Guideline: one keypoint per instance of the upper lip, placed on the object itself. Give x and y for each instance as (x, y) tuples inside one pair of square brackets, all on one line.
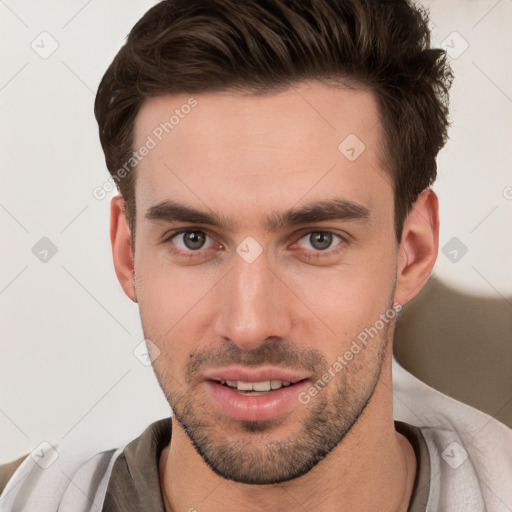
[(257, 374)]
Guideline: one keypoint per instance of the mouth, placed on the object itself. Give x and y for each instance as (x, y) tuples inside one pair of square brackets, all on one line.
[(256, 388), (256, 394)]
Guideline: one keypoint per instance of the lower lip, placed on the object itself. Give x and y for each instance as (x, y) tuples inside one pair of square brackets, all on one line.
[(264, 406)]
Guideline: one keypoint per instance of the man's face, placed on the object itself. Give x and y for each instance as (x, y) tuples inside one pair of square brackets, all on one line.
[(262, 251)]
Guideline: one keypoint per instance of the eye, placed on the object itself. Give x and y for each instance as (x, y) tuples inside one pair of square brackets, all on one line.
[(192, 240), (319, 241)]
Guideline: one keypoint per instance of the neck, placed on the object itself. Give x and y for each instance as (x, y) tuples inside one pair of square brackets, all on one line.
[(373, 468)]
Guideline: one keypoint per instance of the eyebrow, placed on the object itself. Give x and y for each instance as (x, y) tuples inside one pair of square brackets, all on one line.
[(326, 210)]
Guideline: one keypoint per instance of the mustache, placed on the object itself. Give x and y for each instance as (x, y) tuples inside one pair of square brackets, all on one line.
[(273, 351)]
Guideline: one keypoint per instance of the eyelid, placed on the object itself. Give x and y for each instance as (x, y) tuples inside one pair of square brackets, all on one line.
[(170, 235), (343, 240)]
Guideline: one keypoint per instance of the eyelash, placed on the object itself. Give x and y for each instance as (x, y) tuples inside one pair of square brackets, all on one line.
[(310, 254)]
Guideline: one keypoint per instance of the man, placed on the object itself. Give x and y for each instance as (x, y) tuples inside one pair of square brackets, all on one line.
[(274, 161)]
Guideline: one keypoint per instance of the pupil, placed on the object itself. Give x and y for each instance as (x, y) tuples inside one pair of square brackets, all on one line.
[(320, 241), (194, 239)]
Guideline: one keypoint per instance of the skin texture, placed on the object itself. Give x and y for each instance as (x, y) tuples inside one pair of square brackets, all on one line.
[(248, 159)]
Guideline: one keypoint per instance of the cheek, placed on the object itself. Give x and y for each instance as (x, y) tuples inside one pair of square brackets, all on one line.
[(351, 293), (336, 306), (175, 306)]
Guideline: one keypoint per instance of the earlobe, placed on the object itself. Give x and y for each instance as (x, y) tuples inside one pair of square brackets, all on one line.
[(418, 248), (120, 238)]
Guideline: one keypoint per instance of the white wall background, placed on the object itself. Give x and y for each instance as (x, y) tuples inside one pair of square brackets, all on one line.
[(68, 333)]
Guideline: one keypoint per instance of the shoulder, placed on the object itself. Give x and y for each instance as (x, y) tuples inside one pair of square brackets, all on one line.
[(7, 471), (31, 484), (54, 477), (470, 452)]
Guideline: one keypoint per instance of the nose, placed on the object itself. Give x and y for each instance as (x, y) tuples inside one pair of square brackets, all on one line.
[(253, 306)]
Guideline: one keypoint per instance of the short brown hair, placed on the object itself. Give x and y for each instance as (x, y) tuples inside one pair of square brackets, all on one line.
[(260, 46)]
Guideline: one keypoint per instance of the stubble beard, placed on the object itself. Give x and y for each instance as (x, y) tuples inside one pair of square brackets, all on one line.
[(245, 451)]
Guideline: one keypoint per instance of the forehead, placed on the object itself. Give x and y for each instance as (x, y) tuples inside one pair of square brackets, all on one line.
[(228, 150)]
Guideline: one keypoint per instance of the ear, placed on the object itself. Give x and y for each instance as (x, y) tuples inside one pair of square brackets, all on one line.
[(121, 240), (417, 253)]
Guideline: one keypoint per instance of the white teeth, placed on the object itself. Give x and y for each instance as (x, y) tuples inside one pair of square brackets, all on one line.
[(265, 385), (261, 386)]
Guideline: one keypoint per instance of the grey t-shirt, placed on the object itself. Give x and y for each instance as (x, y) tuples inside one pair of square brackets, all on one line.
[(134, 484)]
